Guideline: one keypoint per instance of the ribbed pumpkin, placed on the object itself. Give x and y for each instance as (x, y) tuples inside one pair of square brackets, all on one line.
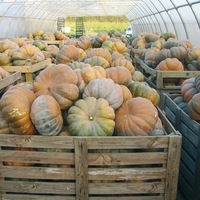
[(138, 76), (84, 42), (98, 39), (105, 88), (170, 64), (197, 83), (15, 105), (46, 115), (78, 65), (27, 55), (97, 61), (188, 89), (60, 36), (136, 116), (58, 81), (7, 44), (141, 89), (126, 93), (87, 74), (104, 53), (125, 63), (52, 49), (193, 107), (69, 53), (91, 117), (119, 74)]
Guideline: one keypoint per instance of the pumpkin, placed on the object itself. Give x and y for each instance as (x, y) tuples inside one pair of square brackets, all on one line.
[(78, 65), (40, 44), (7, 44), (91, 117), (151, 37), (124, 62), (119, 74), (38, 33), (27, 55), (48, 36), (167, 35), (4, 126), (98, 39), (46, 115), (193, 54), (115, 55), (140, 89), (136, 116), (19, 41), (174, 43), (60, 36), (67, 54), (97, 61), (179, 52), (114, 46), (15, 105), (58, 81), (84, 42), (193, 107), (158, 44), (149, 57), (162, 55), (105, 88), (138, 76), (104, 53), (5, 60), (87, 74), (170, 64), (126, 93), (52, 49), (188, 89)]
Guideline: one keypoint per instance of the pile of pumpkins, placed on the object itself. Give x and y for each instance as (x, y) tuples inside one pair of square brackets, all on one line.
[(92, 88)]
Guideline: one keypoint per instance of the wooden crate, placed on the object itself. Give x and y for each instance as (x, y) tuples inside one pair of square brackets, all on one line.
[(28, 71), (13, 78), (189, 182), (156, 78), (110, 168), (58, 43)]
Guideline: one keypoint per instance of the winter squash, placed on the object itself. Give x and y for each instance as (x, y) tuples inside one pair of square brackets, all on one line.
[(60, 36), (7, 44), (105, 88), (125, 63), (27, 55), (141, 89), (58, 81), (98, 39), (78, 65), (167, 35), (104, 53), (40, 44), (138, 76), (91, 117), (68, 53), (15, 105), (84, 42), (52, 49), (151, 37), (193, 54), (136, 116), (97, 61), (170, 64), (126, 93), (188, 89), (119, 74), (193, 107), (46, 115)]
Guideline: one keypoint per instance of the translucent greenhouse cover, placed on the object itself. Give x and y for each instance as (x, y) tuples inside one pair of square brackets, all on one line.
[(182, 17)]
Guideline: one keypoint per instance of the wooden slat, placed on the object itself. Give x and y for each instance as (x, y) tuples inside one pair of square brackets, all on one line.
[(38, 173), (81, 168), (173, 167), (10, 79), (38, 187), (126, 188), (36, 197)]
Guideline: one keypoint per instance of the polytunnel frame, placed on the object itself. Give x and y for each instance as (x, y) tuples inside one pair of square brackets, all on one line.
[(174, 8)]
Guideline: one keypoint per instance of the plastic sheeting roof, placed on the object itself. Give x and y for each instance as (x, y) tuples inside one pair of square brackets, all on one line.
[(19, 17)]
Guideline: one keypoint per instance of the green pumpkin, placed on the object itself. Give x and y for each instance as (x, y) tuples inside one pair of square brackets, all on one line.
[(142, 89), (40, 44), (91, 117)]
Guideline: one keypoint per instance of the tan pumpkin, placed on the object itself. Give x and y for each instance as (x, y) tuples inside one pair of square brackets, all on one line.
[(60, 36), (104, 53), (27, 55), (105, 88), (67, 54), (98, 39), (7, 44), (170, 64), (124, 62), (136, 116), (5, 60), (97, 61), (59, 81), (84, 42), (119, 74), (126, 93), (15, 105), (19, 41), (46, 115)]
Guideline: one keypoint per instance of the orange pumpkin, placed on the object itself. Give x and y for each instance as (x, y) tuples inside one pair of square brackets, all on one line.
[(59, 81), (193, 107), (136, 116), (15, 105)]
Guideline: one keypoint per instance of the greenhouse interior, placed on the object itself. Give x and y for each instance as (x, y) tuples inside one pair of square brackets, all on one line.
[(99, 99)]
